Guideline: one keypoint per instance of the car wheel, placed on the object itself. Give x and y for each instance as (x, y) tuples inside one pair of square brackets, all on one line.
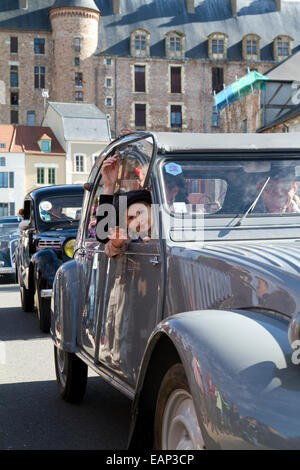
[(176, 425), (27, 299), (43, 310), (71, 375)]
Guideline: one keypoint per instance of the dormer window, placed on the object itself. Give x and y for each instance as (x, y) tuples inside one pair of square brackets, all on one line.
[(45, 143), (175, 44), (282, 47), (251, 47), (217, 46), (140, 43)]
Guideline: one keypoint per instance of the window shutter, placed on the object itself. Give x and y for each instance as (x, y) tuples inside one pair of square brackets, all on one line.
[(140, 115), (140, 84), (175, 79)]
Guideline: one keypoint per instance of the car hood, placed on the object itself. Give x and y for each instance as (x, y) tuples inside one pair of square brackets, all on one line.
[(241, 275), (70, 233)]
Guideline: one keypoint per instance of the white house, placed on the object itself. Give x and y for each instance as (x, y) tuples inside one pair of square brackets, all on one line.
[(83, 131), (12, 172)]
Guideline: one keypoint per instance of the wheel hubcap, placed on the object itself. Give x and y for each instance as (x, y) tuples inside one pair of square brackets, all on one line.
[(180, 428)]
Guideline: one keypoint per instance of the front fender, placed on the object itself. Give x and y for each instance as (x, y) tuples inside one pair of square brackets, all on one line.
[(244, 385), (45, 263), (66, 303)]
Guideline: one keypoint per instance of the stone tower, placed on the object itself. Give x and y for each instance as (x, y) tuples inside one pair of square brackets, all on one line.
[(75, 39)]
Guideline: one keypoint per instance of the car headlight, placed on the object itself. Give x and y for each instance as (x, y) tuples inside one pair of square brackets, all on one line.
[(69, 248)]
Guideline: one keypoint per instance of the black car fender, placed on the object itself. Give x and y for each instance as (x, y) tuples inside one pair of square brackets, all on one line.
[(45, 264), (66, 303)]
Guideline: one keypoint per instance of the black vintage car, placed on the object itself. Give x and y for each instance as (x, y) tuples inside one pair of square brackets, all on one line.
[(48, 232), (9, 234)]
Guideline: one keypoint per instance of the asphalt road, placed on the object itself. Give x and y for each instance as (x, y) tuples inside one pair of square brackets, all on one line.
[(32, 414)]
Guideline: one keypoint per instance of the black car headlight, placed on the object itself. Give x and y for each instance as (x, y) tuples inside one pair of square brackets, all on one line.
[(69, 247)]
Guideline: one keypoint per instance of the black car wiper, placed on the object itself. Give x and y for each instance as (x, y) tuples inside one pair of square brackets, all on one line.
[(251, 208)]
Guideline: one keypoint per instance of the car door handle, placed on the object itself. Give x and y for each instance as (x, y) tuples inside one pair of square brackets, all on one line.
[(154, 261)]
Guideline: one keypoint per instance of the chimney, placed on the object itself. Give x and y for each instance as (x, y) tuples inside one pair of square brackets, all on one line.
[(234, 7), (116, 4), (190, 6), (278, 5)]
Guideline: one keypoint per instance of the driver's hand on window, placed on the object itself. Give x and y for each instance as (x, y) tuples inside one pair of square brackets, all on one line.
[(110, 169)]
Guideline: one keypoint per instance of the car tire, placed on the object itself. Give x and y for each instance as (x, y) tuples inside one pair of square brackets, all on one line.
[(71, 375), (43, 307), (176, 425), (27, 299)]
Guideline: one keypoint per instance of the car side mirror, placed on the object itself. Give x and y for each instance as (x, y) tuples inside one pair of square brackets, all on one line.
[(24, 225)]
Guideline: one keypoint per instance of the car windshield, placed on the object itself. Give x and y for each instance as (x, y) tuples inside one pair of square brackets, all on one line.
[(238, 189), (9, 229), (59, 212)]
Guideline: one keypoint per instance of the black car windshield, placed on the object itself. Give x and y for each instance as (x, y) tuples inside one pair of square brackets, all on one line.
[(59, 212), (215, 189), (8, 230)]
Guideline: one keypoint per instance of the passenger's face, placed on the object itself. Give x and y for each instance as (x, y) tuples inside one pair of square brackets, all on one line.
[(278, 195), (139, 218)]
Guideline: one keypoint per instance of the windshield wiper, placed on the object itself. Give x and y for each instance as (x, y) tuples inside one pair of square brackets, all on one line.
[(251, 208)]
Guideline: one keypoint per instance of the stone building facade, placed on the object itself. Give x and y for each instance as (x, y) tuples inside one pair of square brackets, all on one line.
[(147, 64)]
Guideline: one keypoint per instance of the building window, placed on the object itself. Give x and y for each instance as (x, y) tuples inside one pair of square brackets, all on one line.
[(108, 101), (217, 77), (176, 116), (78, 79), (3, 209), (40, 175), (14, 76), (140, 115), (14, 117), (39, 46), (217, 46), (140, 78), (108, 61), (78, 96), (30, 118), (108, 82), (175, 79), (7, 179), (77, 44), (14, 45), (282, 47), (39, 77), (14, 98), (51, 176), (45, 145), (76, 61), (174, 44), (140, 43), (251, 47), (79, 163), (2, 160), (215, 117)]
